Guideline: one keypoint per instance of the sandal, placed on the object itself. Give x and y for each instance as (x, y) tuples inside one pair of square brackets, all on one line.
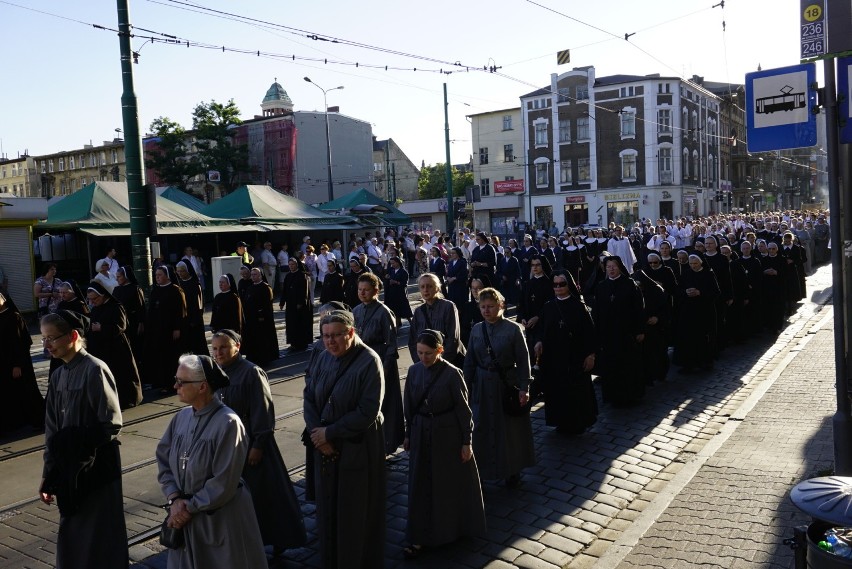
[(412, 551)]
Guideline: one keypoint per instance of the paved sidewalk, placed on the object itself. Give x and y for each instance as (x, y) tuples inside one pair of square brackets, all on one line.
[(591, 498), (736, 510)]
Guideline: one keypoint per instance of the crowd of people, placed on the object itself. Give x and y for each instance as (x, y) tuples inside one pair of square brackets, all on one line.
[(621, 304)]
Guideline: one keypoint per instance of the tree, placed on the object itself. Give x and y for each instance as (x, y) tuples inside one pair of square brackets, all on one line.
[(170, 158), (213, 124), (433, 182)]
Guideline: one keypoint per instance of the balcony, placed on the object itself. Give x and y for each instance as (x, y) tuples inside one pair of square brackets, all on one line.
[(666, 178)]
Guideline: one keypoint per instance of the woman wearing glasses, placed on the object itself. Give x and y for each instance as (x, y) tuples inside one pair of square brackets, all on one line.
[(200, 460), (82, 422), (566, 353)]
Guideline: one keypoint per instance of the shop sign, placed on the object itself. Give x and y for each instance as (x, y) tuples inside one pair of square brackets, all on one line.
[(575, 199), (508, 186), (622, 197)]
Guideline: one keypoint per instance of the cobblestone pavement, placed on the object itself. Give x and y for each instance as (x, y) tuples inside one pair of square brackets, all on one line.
[(688, 457)]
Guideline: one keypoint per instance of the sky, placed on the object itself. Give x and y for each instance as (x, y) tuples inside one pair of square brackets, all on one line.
[(61, 80)]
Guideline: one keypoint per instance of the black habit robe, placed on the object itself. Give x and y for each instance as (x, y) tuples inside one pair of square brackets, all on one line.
[(166, 314)]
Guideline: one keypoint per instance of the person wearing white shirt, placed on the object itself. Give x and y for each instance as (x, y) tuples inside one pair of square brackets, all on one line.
[(283, 259), (268, 263), (322, 264)]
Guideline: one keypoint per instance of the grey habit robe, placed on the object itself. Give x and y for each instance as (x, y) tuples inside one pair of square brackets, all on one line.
[(444, 317), (503, 444), (444, 495), (350, 489), (376, 326), (202, 454), (278, 513), (83, 415)]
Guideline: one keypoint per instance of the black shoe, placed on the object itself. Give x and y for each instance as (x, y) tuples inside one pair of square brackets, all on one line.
[(513, 481)]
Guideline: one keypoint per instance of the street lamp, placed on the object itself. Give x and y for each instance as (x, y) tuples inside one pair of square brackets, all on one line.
[(327, 135)]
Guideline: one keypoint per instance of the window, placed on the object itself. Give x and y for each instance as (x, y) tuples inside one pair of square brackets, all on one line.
[(82, 161), (483, 155), (693, 125), (664, 88), (711, 169), (564, 130), (541, 133), (628, 166), (43, 167), (71, 163), (685, 163), (627, 91), (584, 170), (684, 122), (508, 153), (665, 165), (696, 165), (565, 174), (564, 96), (92, 161), (377, 166), (3, 172), (664, 121), (541, 174), (507, 122), (583, 128), (103, 158), (62, 187), (62, 164), (509, 178), (628, 124), (50, 166), (485, 186), (115, 157), (582, 92)]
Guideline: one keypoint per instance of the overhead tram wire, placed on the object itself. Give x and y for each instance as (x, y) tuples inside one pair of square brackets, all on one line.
[(175, 40)]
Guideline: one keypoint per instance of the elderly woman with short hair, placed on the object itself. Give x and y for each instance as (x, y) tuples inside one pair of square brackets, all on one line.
[(342, 400)]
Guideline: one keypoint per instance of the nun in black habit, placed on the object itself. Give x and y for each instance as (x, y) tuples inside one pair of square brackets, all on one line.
[(107, 341), (227, 311), (697, 291), (619, 319), (350, 281), (192, 334), (163, 324), (260, 341), (655, 347), (22, 402), (566, 353), (296, 302), (130, 295)]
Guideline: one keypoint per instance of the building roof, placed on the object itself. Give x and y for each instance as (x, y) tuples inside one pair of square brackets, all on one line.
[(537, 92), (277, 93), (500, 110)]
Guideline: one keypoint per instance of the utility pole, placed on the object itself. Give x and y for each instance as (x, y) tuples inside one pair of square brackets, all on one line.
[(840, 265), (140, 238), (448, 167)]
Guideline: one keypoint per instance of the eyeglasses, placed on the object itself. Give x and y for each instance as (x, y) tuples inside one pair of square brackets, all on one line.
[(182, 382), (559, 284), (333, 336), (49, 340)]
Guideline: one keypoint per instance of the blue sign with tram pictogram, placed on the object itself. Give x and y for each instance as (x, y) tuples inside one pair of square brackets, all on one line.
[(780, 108)]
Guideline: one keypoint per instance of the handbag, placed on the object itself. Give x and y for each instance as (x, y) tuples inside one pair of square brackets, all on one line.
[(509, 399), (170, 537)]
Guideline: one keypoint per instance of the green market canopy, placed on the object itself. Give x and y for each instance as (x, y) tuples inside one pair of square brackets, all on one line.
[(369, 208), (180, 197), (103, 209), (272, 210)]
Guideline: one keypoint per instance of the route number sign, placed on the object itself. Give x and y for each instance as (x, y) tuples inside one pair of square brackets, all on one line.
[(825, 26)]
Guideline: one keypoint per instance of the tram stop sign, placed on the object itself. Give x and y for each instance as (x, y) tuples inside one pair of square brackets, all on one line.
[(825, 26), (780, 107)]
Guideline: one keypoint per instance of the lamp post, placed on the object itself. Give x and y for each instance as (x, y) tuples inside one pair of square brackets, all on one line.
[(327, 135)]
